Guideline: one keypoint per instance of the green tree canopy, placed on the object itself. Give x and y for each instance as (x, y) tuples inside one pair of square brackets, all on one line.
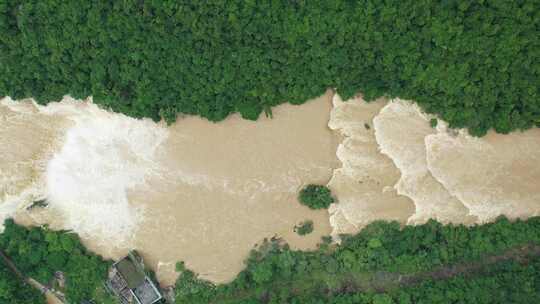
[(316, 196), (474, 63)]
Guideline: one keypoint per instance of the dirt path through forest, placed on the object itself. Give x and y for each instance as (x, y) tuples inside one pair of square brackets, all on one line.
[(49, 295), (381, 282)]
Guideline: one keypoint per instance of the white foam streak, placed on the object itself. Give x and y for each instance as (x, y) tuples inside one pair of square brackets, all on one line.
[(400, 129), (449, 175), (102, 157), (494, 175), (361, 183)]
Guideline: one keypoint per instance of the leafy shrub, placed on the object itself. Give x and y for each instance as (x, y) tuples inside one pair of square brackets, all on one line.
[(306, 227), (316, 196)]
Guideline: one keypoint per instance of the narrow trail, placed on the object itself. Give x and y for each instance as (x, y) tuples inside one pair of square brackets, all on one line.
[(386, 281), (58, 296), (520, 254), (12, 266)]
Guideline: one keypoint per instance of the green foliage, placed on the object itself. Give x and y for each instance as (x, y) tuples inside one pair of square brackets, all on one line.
[(190, 289), (305, 227), (433, 122), (474, 63), (316, 196), (505, 282), (39, 252), (276, 274), (14, 291), (382, 299)]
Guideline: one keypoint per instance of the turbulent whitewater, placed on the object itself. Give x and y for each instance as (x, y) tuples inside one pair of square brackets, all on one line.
[(196, 191), (87, 177), (206, 193), (396, 166)]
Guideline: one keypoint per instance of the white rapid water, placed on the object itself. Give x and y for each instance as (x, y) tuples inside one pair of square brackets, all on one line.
[(493, 175), (86, 181), (400, 130), (196, 191), (364, 183), (429, 173), (205, 192), (103, 156)]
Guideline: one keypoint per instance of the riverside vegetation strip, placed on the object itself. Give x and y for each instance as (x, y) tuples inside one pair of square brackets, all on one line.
[(381, 251), (384, 263), (472, 62)]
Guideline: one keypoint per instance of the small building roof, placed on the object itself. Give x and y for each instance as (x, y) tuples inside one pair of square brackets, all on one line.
[(147, 293), (130, 273)]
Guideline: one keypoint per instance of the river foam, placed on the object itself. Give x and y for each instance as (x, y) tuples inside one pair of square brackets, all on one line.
[(206, 192), (444, 174), (400, 130), (196, 191), (493, 175), (85, 181), (103, 156), (364, 183)]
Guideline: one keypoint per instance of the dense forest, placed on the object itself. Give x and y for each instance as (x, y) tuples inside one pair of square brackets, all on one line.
[(39, 252), (474, 63), (385, 263)]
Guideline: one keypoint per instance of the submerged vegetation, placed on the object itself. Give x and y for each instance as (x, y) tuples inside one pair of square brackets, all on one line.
[(39, 253), (316, 196), (386, 263), (474, 63)]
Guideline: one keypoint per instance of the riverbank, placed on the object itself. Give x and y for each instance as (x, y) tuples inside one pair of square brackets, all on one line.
[(386, 260), (473, 63), (211, 191), (396, 166), (383, 260)]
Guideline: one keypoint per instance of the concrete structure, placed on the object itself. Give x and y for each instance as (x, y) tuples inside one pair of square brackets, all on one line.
[(128, 281)]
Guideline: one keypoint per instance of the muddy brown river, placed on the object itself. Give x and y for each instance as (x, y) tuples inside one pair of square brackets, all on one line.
[(206, 193)]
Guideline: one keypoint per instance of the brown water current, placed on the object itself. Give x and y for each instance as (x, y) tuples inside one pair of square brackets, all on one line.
[(28, 140), (206, 193), (231, 184), (364, 183), (200, 192), (400, 132), (497, 174)]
